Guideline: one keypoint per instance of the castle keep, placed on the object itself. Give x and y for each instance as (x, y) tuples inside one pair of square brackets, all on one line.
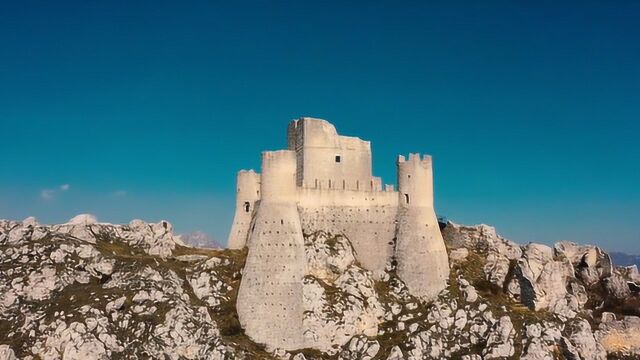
[(324, 182)]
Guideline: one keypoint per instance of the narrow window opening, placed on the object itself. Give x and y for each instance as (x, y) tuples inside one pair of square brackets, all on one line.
[(247, 206), (406, 198), (338, 158)]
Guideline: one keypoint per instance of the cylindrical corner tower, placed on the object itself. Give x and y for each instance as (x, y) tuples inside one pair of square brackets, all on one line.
[(270, 302), (247, 196), (420, 252)]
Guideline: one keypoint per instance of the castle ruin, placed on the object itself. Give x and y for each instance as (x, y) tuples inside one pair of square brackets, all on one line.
[(324, 182)]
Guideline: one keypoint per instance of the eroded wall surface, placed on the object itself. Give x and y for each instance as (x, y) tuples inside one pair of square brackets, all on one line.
[(270, 297), (270, 300), (367, 219), (422, 260)]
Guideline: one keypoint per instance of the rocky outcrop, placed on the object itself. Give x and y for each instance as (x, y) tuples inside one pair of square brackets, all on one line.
[(339, 297), (85, 290), (590, 262), (483, 238), (500, 340), (581, 344), (6, 353), (89, 290), (619, 337), (568, 281), (544, 280)]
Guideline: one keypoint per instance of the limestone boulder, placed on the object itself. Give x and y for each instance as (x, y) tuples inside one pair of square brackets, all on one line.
[(155, 238), (617, 287), (79, 227), (537, 349), (483, 238), (458, 255), (360, 348), (581, 343), (83, 219), (619, 337), (328, 256), (395, 354), (500, 253), (500, 340), (543, 281), (6, 353), (41, 284), (590, 262), (497, 268), (335, 311), (87, 349)]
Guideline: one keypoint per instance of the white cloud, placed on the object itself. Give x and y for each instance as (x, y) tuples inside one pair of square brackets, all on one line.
[(47, 194), (120, 193)]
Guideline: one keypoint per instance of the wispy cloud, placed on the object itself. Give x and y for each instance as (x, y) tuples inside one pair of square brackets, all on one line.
[(50, 194), (47, 194), (120, 193)]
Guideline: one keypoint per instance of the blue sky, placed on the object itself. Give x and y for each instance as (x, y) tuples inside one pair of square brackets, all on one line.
[(129, 109)]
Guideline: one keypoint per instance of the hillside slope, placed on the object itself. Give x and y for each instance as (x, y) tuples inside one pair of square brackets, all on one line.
[(85, 290)]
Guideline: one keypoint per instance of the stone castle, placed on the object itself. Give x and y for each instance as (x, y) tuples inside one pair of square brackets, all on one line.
[(324, 182)]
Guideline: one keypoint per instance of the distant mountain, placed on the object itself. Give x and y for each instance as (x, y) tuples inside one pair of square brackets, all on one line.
[(622, 259), (200, 239)]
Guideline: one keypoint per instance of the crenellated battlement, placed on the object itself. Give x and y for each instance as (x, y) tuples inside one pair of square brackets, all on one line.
[(415, 158), (415, 180)]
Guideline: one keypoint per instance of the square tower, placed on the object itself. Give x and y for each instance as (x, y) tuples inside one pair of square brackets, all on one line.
[(326, 160)]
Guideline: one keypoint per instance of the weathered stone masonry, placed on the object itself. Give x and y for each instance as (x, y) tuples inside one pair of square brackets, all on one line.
[(325, 182), (270, 294)]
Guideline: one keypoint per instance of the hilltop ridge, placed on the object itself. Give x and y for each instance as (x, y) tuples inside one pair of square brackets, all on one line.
[(86, 290)]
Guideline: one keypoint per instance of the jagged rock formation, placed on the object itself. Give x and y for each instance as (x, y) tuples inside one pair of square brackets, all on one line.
[(340, 298), (86, 290)]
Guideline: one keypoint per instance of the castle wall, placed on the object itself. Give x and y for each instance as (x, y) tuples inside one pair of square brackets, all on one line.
[(247, 196), (339, 162), (324, 182), (422, 260), (270, 295), (367, 219)]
